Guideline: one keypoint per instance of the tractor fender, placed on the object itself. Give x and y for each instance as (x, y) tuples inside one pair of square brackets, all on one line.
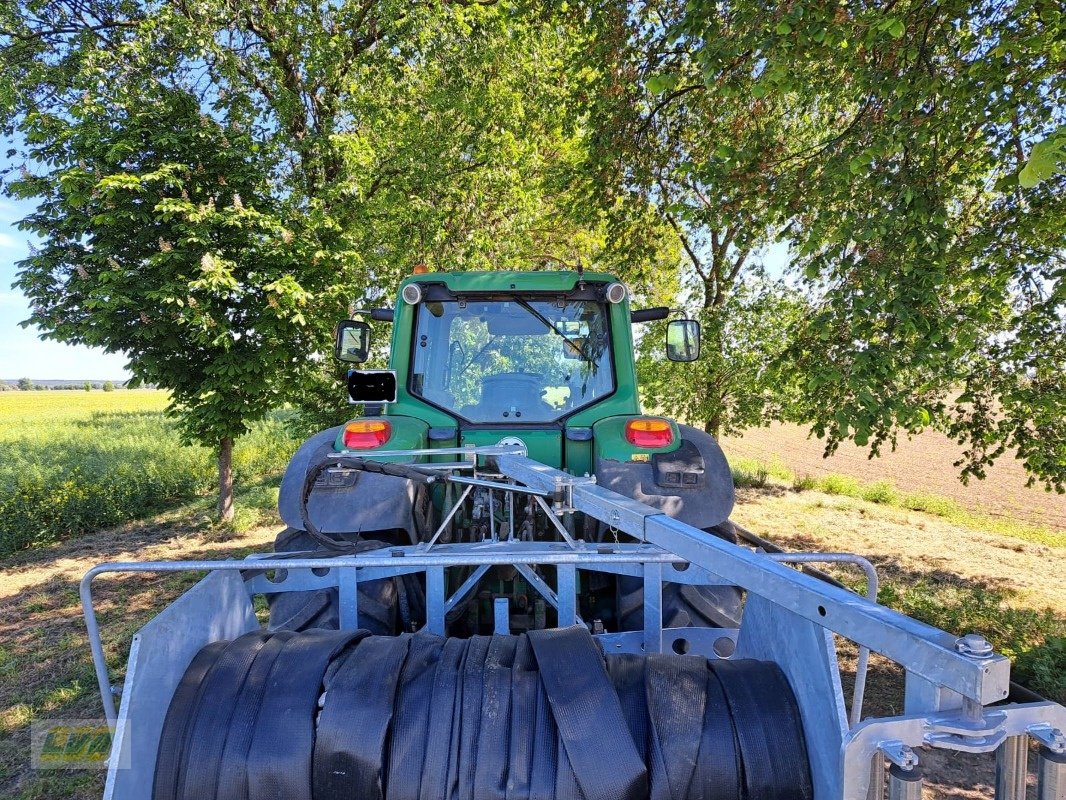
[(692, 483), (359, 502)]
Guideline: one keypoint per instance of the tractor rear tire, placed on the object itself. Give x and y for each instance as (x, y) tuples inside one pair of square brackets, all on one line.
[(684, 605), (301, 611)]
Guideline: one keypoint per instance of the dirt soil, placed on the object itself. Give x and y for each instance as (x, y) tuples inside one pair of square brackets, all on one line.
[(923, 463)]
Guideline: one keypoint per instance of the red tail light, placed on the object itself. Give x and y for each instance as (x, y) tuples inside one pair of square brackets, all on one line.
[(647, 432), (364, 434)]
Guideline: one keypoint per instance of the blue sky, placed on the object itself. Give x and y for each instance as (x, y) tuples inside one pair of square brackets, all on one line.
[(22, 353)]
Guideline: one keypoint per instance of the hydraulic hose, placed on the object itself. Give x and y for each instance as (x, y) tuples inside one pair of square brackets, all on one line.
[(361, 465)]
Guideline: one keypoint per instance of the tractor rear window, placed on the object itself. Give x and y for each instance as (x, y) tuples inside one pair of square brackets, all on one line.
[(513, 360)]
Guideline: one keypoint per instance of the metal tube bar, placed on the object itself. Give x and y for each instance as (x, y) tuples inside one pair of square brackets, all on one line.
[(1012, 765), (501, 616), (348, 598), (495, 485), (862, 662), (435, 592), (653, 608), (538, 583), (492, 518), (96, 647), (904, 785), (566, 580), (921, 648), (488, 450), (510, 516), (448, 518), (877, 778), (554, 521), (1051, 775), (872, 581), (462, 591)]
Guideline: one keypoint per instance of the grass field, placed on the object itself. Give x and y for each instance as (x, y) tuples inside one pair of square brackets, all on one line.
[(75, 462)]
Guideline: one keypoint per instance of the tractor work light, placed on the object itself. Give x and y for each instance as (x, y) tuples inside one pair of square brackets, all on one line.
[(412, 294), (648, 432), (364, 434), (616, 293)]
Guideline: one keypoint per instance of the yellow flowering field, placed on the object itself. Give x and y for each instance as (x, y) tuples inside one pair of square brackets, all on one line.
[(75, 461)]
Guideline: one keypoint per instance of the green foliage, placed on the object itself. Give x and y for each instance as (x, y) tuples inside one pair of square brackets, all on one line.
[(880, 492), (729, 388), (840, 485), (882, 142), (1047, 158), (67, 469), (217, 181), (1034, 640)]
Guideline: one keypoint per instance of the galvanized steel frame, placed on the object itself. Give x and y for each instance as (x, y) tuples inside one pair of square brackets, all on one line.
[(952, 688)]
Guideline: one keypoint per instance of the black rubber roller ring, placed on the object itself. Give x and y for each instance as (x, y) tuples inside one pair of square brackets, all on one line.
[(494, 741), (353, 727), (585, 705), (444, 720), (772, 748), (178, 720), (471, 689), (211, 720), (719, 769), (279, 762), (233, 778), (410, 724), (676, 688)]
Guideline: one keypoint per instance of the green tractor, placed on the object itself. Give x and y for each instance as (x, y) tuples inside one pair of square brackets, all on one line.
[(539, 360), (504, 581)]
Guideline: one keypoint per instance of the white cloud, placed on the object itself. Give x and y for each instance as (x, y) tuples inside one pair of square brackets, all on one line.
[(8, 241)]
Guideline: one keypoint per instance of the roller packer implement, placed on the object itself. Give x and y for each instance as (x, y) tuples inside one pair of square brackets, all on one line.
[(504, 581)]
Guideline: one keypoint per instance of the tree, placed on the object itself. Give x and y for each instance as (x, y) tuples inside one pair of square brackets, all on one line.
[(665, 140), (217, 180), (883, 144), (731, 386), (25, 384), (108, 386)]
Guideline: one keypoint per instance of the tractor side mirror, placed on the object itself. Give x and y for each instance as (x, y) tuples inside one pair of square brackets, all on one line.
[(683, 340), (353, 342)]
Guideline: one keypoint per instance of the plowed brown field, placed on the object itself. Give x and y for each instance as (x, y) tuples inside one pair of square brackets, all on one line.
[(924, 463)]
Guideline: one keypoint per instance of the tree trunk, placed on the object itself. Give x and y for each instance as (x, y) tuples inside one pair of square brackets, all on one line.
[(714, 424), (225, 479)]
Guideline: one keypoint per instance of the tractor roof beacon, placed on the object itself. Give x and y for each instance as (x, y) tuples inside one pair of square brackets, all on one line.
[(504, 580)]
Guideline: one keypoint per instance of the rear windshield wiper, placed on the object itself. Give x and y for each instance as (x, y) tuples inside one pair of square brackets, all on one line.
[(574, 347)]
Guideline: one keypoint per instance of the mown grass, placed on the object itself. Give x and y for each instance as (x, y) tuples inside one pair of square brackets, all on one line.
[(752, 473), (74, 463), (1034, 639)]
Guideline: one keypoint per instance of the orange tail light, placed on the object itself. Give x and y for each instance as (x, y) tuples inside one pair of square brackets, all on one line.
[(364, 434), (645, 432)]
